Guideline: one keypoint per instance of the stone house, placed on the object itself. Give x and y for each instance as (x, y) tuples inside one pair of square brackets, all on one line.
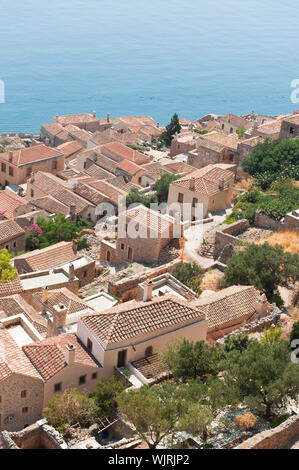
[(146, 233), (214, 148), (117, 151), (9, 202), (289, 127), (17, 166), (231, 308), (12, 236), (54, 134), (84, 121), (182, 143), (130, 170), (21, 386), (230, 123), (153, 172), (210, 186), (44, 184), (63, 254), (70, 150)]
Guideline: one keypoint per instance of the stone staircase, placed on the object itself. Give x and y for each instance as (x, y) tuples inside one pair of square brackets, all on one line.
[(207, 248)]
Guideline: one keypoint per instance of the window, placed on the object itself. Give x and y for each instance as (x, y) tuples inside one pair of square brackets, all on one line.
[(94, 376), (82, 379), (3, 167), (194, 201), (180, 197), (14, 244), (122, 246), (139, 180), (57, 387), (10, 171), (28, 170), (231, 130), (25, 410), (23, 393), (89, 344), (149, 351), (85, 273), (121, 358), (130, 253), (31, 193), (54, 165), (292, 130)]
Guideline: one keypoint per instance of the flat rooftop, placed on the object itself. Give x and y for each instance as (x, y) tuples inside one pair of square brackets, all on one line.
[(43, 278), (20, 335), (100, 301)]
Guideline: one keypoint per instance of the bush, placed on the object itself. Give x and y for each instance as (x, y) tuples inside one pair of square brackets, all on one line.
[(189, 274), (279, 419), (83, 243)]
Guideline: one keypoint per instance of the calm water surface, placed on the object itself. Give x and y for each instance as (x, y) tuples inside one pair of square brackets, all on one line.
[(145, 57)]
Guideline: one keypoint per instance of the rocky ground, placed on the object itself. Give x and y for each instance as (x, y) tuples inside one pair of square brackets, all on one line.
[(254, 233)]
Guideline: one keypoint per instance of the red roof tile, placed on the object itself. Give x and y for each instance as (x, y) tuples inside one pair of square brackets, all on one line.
[(31, 155)]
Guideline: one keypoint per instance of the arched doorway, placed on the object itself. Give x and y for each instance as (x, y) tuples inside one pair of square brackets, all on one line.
[(149, 351)]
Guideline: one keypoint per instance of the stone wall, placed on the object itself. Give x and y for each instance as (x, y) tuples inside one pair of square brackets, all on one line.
[(263, 221), (36, 436), (127, 287), (277, 438)]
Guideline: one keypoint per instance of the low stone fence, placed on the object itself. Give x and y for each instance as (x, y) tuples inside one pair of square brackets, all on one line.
[(127, 288), (277, 438), (226, 234), (37, 436), (290, 222), (257, 325)]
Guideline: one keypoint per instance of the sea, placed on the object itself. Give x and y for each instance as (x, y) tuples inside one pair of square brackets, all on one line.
[(145, 57)]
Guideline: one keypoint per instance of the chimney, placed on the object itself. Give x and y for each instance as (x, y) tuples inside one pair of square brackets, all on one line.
[(72, 271), (221, 184), (148, 291), (45, 294), (108, 117), (10, 156), (60, 316), (192, 184), (75, 245), (70, 351), (47, 141), (158, 125), (262, 305), (94, 114), (72, 211)]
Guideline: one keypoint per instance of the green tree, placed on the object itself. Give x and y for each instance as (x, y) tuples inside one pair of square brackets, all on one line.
[(58, 229), (237, 342), (295, 331), (69, 408), (190, 360), (264, 266), (171, 129), (189, 274), (7, 271), (106, 393), (262, 376), (271, 335), (154, 412), (135, 197), (273, 159), (162, 186), (196, 420), (240, 132)]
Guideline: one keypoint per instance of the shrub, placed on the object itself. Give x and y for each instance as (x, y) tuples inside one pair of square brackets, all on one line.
[(279, 419), (82, 243), (245, 421)]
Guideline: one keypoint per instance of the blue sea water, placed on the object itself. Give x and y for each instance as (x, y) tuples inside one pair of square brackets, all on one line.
[(140, 57)]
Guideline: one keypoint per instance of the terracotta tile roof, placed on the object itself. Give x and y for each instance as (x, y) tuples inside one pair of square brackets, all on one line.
[(9, 229), (110, 191), (155, 170), (179, 168), (219, 140), (206, 180), (97, 172), (48, 355), (121, 183), (102, 162), (228, 304), (78, 134), (49, 257), (144, 120), (90, 194), (154, 221), (50, 204), (12, 358), (270, 128), (69, 174), (9, 201), (15, 305), (151, 367), (123, 152), (75, 118), (211, 124), (70, 148), (11, 287), (133, 319), (56, 130), (31, 155), (55, 297), (129, 167)]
